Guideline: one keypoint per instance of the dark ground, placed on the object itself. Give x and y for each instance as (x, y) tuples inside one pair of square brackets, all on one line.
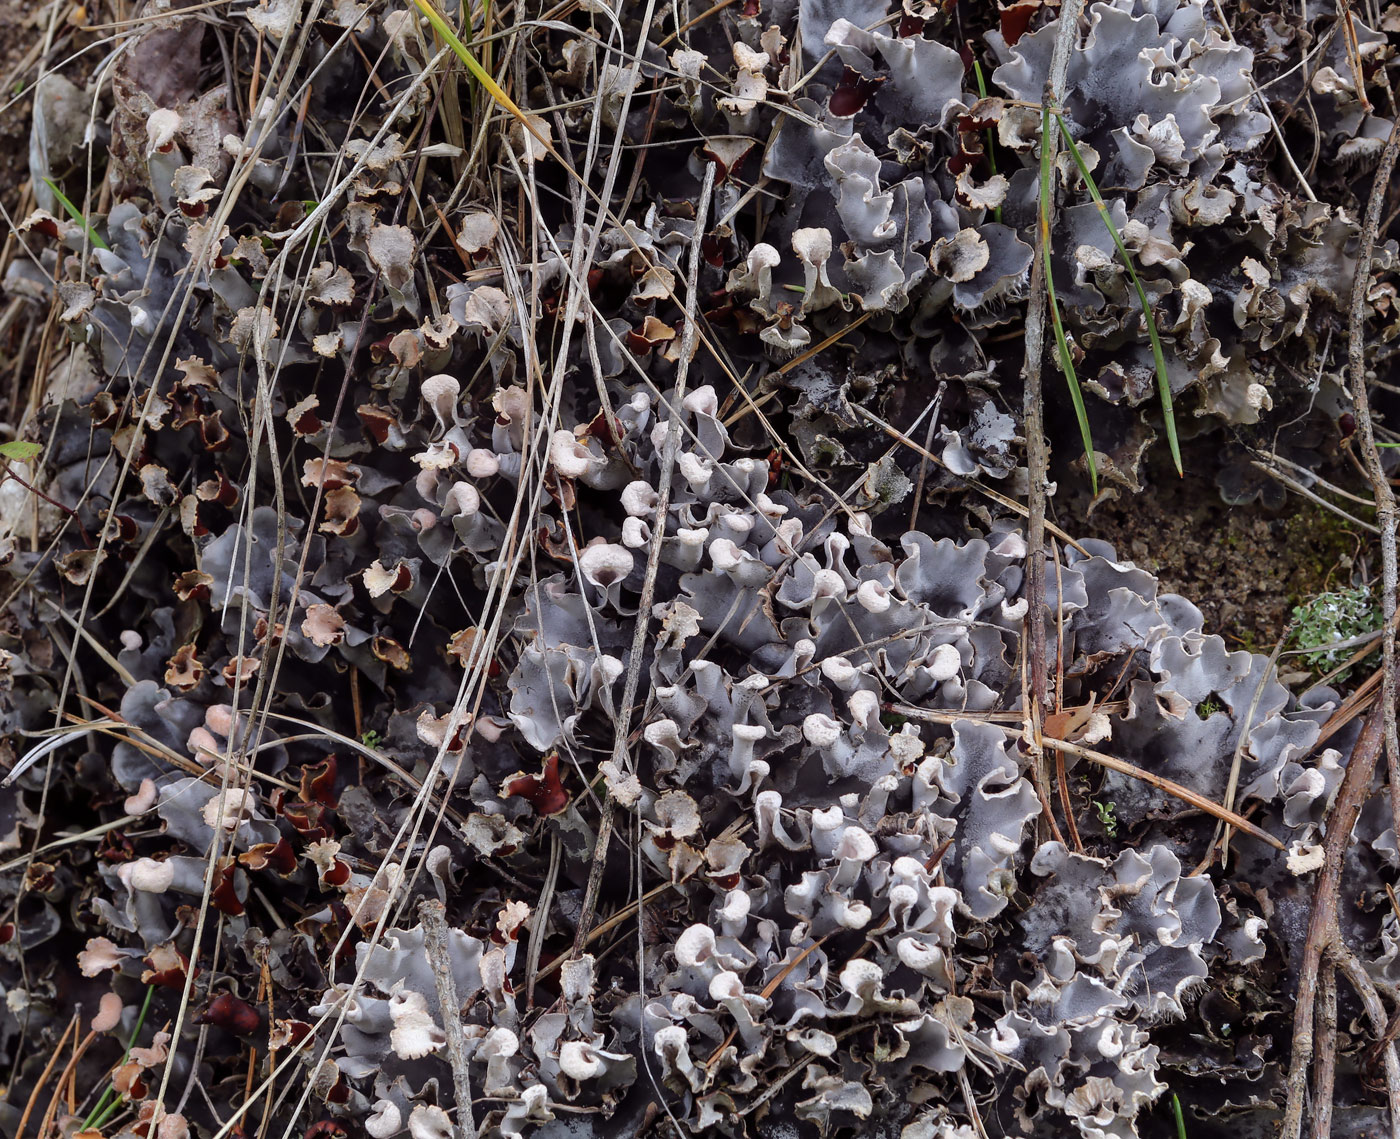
[(1244, 566)]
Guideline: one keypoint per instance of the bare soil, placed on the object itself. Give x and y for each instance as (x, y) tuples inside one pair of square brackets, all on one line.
[(1244, 566)]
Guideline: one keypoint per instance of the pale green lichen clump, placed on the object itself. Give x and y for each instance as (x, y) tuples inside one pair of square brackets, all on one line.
[(1330, 619)]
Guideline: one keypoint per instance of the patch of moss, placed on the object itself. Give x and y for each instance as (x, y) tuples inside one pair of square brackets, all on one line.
[(1209, 706), (1323, 547)]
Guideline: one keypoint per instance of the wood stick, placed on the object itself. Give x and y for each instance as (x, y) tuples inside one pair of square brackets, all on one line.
[(1033, 688), (1366, 436), (1323, 928), (66, 1077), (434, 918)]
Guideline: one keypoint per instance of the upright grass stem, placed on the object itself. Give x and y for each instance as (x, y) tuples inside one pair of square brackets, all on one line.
[(76, 214), (1164, 390), (991, 134), (1066, 359), (109, 1103), (1047, 187), (472, 64)]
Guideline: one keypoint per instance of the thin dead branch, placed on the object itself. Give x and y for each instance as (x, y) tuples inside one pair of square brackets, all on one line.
[(434, 917), (1035, 700), (1324, 931), (1366, 434)]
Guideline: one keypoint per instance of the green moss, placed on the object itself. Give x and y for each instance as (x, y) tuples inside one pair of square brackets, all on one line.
[(1248, 639), (1323, 547)]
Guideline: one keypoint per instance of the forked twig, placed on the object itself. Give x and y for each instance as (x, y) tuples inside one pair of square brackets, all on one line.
[(1298, 488), (1355, 972), (1324, 931)]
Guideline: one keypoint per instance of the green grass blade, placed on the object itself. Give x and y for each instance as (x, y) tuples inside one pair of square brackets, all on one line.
[(105, 1110), (472, 64), (1164, 389), (487, 43), (488, 83), (1061, 343), (1180, 1120), (76, 214), (1067, 366), (991, 134)]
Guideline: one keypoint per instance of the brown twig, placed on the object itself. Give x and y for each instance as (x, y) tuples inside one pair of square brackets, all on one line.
[(1037, 449), (1326, 1080), (1370, 455), (434, 919), (1355, 972), (1324, 931), (65, 1079), (44, 1077), (642, 152), (755, 404), (1392, 1028), (1176, 790), (1065, 804), (1032, 720), (1297, 487), (923, 462), (1354, 705), (705, 15), (767, 991), (1061, 779), (1353, 46), (603, 928)]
